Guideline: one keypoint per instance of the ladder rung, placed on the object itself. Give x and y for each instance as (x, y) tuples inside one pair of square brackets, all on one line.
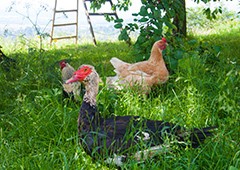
[(67, 37), (92, 13), (60, 25), (69, 10)]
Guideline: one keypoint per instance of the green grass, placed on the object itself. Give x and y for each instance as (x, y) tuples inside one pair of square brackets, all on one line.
[(38, 129)]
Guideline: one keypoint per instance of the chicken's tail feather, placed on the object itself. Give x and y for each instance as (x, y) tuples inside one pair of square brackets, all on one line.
[(199, 135), (117, 62)]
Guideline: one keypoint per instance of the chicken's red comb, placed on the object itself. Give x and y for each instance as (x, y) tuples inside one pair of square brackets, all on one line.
[(62, 64), (164, 39)]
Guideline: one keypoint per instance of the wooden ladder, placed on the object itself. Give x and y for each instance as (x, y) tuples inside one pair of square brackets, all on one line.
[(88, 14), (54, 24)]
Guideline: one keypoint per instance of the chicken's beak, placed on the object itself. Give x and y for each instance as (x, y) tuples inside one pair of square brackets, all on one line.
[(73, 79)]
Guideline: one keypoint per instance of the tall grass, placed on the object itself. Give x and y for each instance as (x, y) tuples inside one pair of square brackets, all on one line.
[(38, 128)]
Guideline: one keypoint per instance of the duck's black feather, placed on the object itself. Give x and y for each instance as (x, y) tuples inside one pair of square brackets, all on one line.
[(126, 134)]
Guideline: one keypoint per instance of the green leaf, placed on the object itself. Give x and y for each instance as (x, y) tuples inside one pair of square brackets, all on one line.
[(157, 14), (178, 54), (233, 168), (171, 13), (143, 20), (207, 12), (168, 24), (133, 26), (118, 20), (119, 25), (217, 49), (143, 11), (192, 42), (123, 35), (158, 31), (135, 14)]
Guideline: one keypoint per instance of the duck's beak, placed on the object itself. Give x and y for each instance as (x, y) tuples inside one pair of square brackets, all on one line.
[(72, 79)]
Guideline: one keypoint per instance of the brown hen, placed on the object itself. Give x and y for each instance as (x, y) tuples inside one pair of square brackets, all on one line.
[(145, 74)]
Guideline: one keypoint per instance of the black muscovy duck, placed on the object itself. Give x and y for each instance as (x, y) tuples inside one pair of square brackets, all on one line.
[(117, 138)]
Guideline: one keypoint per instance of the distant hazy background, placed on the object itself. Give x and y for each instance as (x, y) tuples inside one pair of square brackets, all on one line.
[(13, 21)]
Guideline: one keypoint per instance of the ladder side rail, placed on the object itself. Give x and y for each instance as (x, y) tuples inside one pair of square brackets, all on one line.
[(115, 13), (77, 21), (53, 21), (89, 21)]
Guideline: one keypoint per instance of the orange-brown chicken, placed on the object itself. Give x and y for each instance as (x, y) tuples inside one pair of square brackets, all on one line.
[(144, 73)]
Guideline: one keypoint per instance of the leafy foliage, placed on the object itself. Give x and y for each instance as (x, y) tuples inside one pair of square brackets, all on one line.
[(154, 20), (121, 5)]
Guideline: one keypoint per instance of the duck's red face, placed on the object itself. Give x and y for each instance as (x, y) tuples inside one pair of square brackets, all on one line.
[(80, 74), (62, 64)]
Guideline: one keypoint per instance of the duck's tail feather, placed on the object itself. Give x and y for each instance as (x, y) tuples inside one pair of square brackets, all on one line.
[(199, 135)]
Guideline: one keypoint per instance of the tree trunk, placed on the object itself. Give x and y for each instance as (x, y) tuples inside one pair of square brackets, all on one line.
[(180, 21)]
